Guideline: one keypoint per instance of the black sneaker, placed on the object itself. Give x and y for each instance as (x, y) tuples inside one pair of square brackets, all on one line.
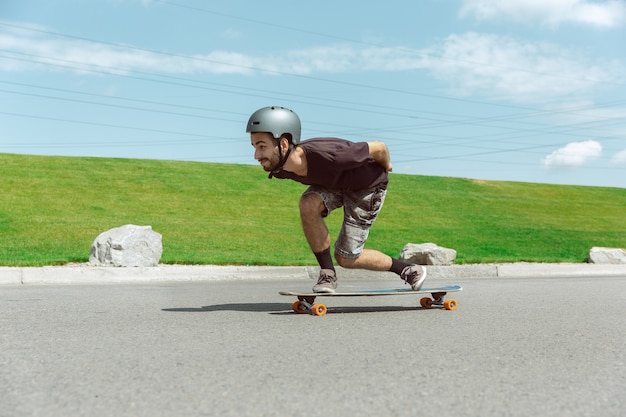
[(414, 275), (327, 281)]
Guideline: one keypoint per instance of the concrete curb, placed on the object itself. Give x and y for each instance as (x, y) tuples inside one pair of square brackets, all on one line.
[(526, 269), (85, 274)]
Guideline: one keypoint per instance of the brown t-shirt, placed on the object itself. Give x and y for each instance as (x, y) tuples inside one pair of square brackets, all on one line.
[(337, 163)]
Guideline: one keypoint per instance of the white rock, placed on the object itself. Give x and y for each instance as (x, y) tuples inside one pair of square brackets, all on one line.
[(427, 254), (599, 255), (127, 245)]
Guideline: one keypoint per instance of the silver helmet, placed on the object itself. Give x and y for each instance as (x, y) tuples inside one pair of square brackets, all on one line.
[(277, 121)]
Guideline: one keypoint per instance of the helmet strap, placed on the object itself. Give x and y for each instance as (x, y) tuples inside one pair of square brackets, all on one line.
[(282, 159)]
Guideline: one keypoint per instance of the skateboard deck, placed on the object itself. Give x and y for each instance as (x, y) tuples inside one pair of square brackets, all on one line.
[(306, 301)]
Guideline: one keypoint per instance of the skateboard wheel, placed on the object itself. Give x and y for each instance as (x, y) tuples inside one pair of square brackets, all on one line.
[(298, 307), (450, 304), (319, 309), (426, 302)]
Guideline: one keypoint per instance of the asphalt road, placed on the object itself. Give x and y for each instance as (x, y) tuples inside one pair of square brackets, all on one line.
[(514, 347)]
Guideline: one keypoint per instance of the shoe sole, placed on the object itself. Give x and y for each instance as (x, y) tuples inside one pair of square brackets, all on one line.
[(324, 291)]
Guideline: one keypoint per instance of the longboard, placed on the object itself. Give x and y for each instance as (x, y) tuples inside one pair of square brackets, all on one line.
[(306, 301)]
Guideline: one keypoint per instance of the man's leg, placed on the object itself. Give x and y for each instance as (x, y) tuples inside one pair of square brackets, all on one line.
[(369, 259), (312, 209), (360, 212), (311, 213), (412, 274)]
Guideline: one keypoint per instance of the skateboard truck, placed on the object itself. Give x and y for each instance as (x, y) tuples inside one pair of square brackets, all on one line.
[(306, 304), (438, 300)]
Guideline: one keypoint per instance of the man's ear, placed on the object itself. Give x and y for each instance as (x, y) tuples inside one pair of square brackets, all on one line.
[(283, 142)]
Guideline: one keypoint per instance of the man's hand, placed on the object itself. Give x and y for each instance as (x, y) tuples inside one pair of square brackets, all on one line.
[(380, 153)]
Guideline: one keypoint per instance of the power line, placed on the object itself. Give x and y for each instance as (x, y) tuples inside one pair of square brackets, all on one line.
[(124, 46), (434, 120), (259, 69), (368, 43)]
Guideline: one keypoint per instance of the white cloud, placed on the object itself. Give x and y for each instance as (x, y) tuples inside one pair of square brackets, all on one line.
[(498, 66), (573, 155), (32, 49), (516, 69), (619, 158), (607, 14)]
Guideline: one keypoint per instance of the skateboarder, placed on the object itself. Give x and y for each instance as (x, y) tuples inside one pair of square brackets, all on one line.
[(339, 173)]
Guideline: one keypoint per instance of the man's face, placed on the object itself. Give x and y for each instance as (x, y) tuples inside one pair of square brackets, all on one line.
[(265, 150)]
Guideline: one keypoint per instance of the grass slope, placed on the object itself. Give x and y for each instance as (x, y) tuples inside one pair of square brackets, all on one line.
[(52, 208)]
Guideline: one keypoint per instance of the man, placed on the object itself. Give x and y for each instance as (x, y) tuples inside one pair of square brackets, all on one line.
[(339, 173)]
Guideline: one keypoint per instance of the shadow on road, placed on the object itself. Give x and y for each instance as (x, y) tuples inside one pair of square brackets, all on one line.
[(250, 307), (282, 308)]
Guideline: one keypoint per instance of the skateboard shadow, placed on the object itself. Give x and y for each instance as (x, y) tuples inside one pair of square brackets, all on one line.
[(283, 309), (369, 309), (245, 307)]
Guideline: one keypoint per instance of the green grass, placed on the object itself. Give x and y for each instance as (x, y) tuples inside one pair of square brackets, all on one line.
[(52, 208)]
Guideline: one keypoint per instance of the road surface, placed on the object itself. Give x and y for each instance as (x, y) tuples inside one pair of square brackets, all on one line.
[(514, 347)]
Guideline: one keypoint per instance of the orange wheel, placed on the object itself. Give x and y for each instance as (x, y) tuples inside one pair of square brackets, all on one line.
[(449, 304), (298, 307), (319, 309), (426, 302)]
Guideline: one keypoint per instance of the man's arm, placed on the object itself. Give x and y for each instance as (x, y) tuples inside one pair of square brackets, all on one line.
[(380, 153)]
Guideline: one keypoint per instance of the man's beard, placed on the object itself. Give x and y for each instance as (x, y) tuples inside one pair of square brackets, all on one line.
[(272, 165)]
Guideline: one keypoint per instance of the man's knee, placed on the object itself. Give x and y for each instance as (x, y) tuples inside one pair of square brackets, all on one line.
[(345, 262), (311, 205)]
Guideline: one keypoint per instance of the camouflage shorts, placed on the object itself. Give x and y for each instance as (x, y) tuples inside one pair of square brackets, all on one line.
[(360, 209)]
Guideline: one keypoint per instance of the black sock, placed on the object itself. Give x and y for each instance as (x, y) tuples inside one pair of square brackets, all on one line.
[(325, 259), (397, 266)]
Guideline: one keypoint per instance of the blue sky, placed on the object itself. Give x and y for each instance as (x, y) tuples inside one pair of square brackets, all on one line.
[(521, 90)]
